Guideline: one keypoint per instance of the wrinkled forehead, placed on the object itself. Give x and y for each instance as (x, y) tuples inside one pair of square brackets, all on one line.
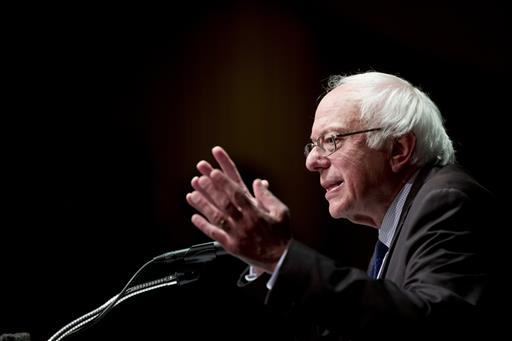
[(337, 112)]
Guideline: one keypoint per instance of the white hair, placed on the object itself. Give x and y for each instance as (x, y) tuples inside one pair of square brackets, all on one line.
[(393, 104)]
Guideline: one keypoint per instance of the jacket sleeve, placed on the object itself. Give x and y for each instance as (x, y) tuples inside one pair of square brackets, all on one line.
[(443, 282)]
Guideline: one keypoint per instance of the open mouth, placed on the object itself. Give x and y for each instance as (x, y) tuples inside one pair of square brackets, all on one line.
[(333, 187)]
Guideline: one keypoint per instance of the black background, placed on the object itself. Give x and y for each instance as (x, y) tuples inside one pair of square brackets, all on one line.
[(107, 111)]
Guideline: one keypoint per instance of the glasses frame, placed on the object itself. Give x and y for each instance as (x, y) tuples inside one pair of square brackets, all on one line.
[(335, 137)]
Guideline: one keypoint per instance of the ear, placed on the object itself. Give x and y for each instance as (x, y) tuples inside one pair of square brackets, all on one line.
[(401, 151)]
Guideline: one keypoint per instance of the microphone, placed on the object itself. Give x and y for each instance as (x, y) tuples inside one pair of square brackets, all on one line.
[(196, 254)]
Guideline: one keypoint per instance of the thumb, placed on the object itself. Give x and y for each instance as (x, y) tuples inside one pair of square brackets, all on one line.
[(266, 200)]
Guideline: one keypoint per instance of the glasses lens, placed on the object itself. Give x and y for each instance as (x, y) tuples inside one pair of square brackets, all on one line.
[(330, 144), (308, 148)]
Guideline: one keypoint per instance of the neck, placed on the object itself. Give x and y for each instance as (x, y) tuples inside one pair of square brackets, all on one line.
[(395, 187)]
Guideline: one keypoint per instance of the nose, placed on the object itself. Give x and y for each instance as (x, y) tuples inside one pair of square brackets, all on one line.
[(315, 161)]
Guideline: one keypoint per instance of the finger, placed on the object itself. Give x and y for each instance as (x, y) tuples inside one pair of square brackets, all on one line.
[(269, 201), (205, 207), (195, 184), (204, 167), (210, 230), (236, 194), (218, 197), (257, 191), (228, 166), (222, 202)]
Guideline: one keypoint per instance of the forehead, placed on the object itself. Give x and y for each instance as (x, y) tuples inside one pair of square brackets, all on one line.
[(336, 111)]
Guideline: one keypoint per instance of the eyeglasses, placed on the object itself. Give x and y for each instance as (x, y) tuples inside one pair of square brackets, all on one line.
[(329, 145)]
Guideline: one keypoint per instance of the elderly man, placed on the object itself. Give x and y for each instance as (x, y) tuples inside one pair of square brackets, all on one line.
[(385, 161)]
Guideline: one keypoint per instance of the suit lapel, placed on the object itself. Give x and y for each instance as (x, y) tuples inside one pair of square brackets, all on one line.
[(418, 182)]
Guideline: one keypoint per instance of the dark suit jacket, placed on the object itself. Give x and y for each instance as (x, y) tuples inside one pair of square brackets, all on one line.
[(439, 280)]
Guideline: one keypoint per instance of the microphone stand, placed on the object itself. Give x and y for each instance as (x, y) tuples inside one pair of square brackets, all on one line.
[(193, 256), (179, 278)]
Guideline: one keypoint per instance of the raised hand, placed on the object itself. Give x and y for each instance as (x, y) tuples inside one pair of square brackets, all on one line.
[(253, 228)]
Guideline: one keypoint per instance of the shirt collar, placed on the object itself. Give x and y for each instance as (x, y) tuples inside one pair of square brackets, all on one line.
[(390, 222)]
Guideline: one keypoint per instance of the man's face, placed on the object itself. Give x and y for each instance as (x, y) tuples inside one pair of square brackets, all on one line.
[(355, 176)]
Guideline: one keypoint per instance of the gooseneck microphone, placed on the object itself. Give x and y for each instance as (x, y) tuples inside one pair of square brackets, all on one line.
[(189, 258), (196, 254)]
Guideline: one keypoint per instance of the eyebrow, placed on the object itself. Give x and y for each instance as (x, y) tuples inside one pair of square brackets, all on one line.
[(330, 130)]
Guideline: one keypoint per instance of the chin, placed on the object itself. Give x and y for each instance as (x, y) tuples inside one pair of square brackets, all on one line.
[(335, 211)]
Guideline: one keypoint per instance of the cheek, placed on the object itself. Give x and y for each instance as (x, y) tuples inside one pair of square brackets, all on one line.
[(357, 183), (351, 165), (360, 177)]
